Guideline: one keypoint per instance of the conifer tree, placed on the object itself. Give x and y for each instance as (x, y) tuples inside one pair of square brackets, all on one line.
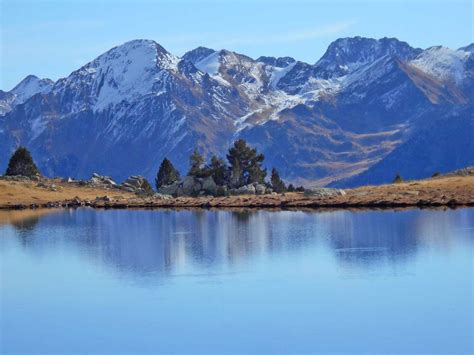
[(277, 183), (219, 171), (196, 161), (245, 164), (167, 174), (398, 179), (21, 163)]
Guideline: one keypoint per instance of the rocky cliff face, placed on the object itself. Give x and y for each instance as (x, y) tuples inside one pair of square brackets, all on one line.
[(365, 111)]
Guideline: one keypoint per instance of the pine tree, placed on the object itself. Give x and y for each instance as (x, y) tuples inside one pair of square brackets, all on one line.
[(219, 171), (167, 174), (21, 163), (398, 179), (277, 183), (236, 176), (196, 161), (245, 164), (291, 188)]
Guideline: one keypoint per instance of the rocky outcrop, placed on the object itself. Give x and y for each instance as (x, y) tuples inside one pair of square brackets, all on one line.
[(324, 192), (251, 189), (191, 186), (102, 181), (138, 185), (468, 171)]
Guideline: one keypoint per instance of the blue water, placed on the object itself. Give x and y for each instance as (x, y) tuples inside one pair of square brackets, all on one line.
[(133, 282)]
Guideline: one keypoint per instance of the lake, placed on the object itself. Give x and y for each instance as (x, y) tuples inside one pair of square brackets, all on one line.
[(141, 281)]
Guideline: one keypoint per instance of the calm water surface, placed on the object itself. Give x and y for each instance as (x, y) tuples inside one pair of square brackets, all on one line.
[(119, 282)]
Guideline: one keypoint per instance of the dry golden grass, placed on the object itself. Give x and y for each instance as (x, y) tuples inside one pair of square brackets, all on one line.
[(27, 193), (454, 190)]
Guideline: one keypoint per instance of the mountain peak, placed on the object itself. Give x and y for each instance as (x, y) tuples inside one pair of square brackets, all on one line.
[(30, 86), (30, 81), (443, 63), (280, 62), (468, 48), (123, 73), (197, 54), (346, 54)]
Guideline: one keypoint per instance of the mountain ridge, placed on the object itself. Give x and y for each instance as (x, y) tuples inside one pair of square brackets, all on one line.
[(338, 117)]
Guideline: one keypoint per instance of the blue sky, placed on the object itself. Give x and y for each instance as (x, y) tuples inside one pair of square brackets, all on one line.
[(53, 38)]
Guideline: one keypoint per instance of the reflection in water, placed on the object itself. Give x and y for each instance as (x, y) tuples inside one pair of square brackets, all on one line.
[(146, 282), (163, 241)]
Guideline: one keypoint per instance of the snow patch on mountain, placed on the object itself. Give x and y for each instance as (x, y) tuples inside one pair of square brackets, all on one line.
[(277, 73), (443, 63), (209, 64)]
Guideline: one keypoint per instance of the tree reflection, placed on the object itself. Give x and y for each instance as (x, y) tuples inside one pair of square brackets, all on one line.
[(148, 242)]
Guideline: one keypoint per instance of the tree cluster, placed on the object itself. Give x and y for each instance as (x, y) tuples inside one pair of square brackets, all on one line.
[(244, 166)]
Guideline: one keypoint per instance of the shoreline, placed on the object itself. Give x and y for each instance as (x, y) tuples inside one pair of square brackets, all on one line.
[(445, 191)]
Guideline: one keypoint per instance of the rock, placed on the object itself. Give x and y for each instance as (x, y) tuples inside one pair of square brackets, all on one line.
[(462, 172), (162, 196), (102, 181), (16, 178), (128, 189), (246, 190), (169, 189), (209, 186), (188, 186), (68, 180), (135, 181), (323, 192), (260, 189), (269, 191), (136, 184), (103, 198)]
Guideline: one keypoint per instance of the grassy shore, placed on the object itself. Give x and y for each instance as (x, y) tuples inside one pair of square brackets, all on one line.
[(439, 191)]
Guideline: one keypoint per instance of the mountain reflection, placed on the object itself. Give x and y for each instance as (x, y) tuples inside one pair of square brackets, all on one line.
[(143, 242)]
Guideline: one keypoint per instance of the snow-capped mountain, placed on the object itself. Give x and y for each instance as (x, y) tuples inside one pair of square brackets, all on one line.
[(27, 88), (363, 102)]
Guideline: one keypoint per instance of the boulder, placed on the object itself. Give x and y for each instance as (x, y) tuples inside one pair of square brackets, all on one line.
[(246, 190), (137, 184), (209, 186), (68, 180), (102, 181), (135, 181), (169, 189), (260, 189), (162, 196), (127, 189), (103, 198), (188, 186), (323, 192)]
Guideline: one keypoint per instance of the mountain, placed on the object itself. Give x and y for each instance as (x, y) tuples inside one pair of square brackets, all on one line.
[(363, 112), (27, 88)]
